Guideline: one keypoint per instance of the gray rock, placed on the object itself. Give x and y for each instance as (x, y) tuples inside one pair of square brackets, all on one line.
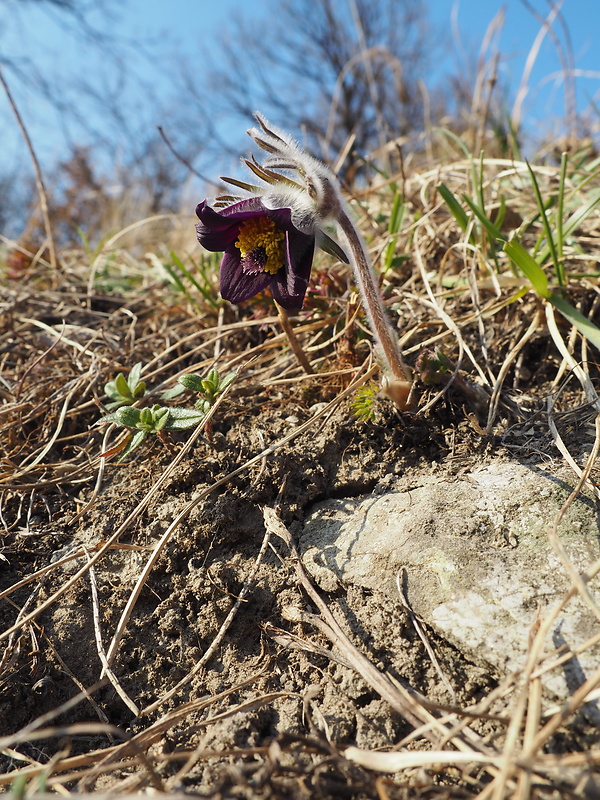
[(477, 557)]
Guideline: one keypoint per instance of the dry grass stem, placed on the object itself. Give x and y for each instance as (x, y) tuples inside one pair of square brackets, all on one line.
[(294, 343)]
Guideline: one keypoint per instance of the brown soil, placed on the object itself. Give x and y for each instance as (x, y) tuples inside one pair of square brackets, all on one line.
[(272, 711)]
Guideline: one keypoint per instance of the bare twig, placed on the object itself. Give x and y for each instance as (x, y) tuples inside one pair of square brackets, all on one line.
[(38, 173)]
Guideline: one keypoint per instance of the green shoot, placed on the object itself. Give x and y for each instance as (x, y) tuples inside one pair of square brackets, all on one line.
[(208, 388), (155, 419), (454, 207), (394, 226), (434, 367), (159, 419), (364, 405), (559, 267), (181, 276), (560, 236), (531, 265), (125, 391), (528, 266)]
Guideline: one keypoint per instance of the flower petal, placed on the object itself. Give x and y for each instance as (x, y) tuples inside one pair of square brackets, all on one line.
[(219, 229), (237, 285), (289, 285)]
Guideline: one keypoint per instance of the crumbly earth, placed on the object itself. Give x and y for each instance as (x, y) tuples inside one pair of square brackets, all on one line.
[(268, 715)]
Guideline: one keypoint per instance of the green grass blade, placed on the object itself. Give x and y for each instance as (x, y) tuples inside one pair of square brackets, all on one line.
[(178, 269), (456, 139), (576, 219), (582, 213), (455, 208), (494, 233), (183, 269), (176, 280), (528, 266), (576, 318), (394, 225), (480, 194), (396, 215), (551, 245), (560, 237)]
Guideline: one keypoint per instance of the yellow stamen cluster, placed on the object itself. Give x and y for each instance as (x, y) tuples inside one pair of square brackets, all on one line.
[(262, 234)]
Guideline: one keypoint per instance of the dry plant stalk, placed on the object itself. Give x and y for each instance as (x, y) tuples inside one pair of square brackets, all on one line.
[(39, 180)]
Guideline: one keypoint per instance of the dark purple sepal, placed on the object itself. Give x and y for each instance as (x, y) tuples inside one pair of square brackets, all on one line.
[(237, 285)]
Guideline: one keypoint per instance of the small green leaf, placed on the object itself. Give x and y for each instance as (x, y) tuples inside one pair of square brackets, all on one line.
[(146, 417), (110, 390), (116, 403), (455, 208), (210, 384), (175, 391), (112, 417), (191, 382), (122, 386), (129, 416), (134, 376), (183, 418), (227, 380), (160, 418), (134, 442), (364, 404), (528, 266), (576, 318)]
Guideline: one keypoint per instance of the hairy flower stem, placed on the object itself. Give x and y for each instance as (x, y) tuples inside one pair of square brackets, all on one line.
[(397, 384)]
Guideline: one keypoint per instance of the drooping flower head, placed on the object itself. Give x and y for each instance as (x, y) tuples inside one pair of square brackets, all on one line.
[(269, 237), (261, 247)]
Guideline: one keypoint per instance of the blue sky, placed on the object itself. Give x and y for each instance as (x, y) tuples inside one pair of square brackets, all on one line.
[(29, 35), (518, 35)]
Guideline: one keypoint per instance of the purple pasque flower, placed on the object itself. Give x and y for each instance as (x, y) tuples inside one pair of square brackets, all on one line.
[(261, 247)]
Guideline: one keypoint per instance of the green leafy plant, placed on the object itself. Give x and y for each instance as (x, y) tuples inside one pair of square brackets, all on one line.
[(208, 388), (159, 419), (200, 280), (151, 419), (434, 367), (364, 405), (125, 391), (534, 264), (390, 258)]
